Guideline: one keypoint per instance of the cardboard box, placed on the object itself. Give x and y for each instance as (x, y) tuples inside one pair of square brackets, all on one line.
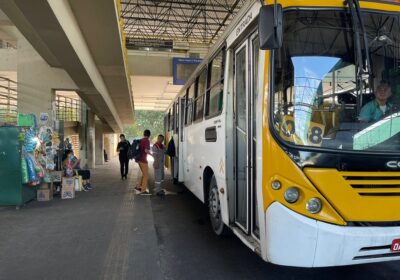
[(68, 188), (68, 192), (56, 176), (68, 182), (44, 195)]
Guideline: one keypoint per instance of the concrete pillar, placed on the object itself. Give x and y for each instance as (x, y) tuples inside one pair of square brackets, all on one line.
[(83, 135), (99, 143), (114, 144), (110, 144), (37, 81), (90, 143), (107, 145)]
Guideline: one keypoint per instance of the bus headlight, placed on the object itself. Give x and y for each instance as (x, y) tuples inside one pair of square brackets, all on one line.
[(314, 205), (292, 194), (276, 185)]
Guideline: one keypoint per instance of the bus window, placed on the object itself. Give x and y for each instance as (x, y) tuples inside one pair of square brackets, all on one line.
[(171, 119), (172, 124), (176, 117), (182, 115), (199, 101), (166, 123), (189, 105), (318, 98), (214, 98), (185, 121)]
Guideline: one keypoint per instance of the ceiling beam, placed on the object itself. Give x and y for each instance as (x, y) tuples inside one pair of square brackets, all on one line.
[(183, 8), (197, 21), (173, 2), (169, 20), (225, 19)]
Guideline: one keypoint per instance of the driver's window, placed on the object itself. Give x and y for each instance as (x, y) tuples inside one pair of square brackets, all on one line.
[(317, 90)]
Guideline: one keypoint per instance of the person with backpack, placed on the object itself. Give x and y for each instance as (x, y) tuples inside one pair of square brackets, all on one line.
[(123, 149), (144, 148), (134, 151), (158, 151)]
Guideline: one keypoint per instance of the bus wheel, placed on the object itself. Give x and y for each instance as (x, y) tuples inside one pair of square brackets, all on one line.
[(214, 209)]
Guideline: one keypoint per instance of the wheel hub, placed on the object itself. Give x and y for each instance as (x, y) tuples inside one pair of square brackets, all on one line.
[(214, 204)]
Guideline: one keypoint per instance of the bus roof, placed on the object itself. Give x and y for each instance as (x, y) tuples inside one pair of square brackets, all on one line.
[(218, 44)]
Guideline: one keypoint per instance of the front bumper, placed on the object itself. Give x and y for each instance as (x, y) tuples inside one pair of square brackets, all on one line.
[(295, 240)]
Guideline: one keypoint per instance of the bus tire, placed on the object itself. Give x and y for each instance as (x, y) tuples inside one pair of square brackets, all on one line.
[(214, 209)]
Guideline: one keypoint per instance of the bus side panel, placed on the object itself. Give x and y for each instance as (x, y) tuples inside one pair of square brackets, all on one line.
[(194, 159), (199, 154)]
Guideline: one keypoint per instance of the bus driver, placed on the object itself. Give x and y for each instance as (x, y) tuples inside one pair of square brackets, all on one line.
[(376, 109)]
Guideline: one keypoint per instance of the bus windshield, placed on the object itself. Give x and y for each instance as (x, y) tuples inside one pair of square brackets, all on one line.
[(321, 98)]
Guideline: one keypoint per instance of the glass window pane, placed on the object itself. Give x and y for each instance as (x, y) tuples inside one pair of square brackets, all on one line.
[(176, 117), (201, 85), (169, 120), (318, 98), (199, 108), (191, 92), (182, 117), (241, 89), (216, 99), (256, 51), (216, 69), (189, 105), (241, 169), (190, 112), (173, 117)]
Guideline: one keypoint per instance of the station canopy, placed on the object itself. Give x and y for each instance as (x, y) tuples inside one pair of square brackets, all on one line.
[(164, 23), (158, 31)]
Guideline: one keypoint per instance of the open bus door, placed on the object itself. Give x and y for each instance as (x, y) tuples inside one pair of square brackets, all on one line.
[(245, 116), (180, 138)]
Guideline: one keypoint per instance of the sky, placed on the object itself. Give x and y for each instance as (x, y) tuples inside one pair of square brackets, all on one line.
[(313, 66), (306, 67)]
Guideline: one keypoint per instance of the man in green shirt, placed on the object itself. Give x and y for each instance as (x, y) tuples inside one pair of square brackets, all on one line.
[(376, 109)]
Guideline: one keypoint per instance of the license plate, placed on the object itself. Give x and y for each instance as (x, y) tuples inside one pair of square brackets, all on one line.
[(395, 246)]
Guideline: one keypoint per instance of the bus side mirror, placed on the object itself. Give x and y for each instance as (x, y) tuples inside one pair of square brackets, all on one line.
[(270, 27)]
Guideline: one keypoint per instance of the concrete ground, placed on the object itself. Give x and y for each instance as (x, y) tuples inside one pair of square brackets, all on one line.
[(110, 233)]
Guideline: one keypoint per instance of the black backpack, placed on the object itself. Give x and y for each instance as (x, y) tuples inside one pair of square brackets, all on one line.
[(134, 151), (171, 148)]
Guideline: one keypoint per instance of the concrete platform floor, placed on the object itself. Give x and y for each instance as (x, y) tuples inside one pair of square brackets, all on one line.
[(110, 233)]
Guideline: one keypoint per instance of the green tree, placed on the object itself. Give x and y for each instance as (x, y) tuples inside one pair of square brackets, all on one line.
[(152, 120)]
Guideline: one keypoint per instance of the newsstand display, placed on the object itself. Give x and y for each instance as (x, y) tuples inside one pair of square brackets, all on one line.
[(12, 189), (27, 166), (31, 158)]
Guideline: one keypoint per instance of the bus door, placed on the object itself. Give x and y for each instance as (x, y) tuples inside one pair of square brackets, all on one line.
[(175, 136), (245, 97), (180, 137)]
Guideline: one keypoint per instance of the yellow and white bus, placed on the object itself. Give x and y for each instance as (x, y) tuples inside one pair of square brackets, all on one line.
[(270, 131)]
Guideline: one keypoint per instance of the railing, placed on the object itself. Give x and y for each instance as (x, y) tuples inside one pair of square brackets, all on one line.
[(68, 109), (8, 102), (6, 45)]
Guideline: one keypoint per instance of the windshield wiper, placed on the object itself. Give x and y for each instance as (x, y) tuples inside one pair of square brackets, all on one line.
[(363, 63)]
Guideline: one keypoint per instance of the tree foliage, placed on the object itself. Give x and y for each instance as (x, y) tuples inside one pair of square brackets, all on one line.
[(152, 120)]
